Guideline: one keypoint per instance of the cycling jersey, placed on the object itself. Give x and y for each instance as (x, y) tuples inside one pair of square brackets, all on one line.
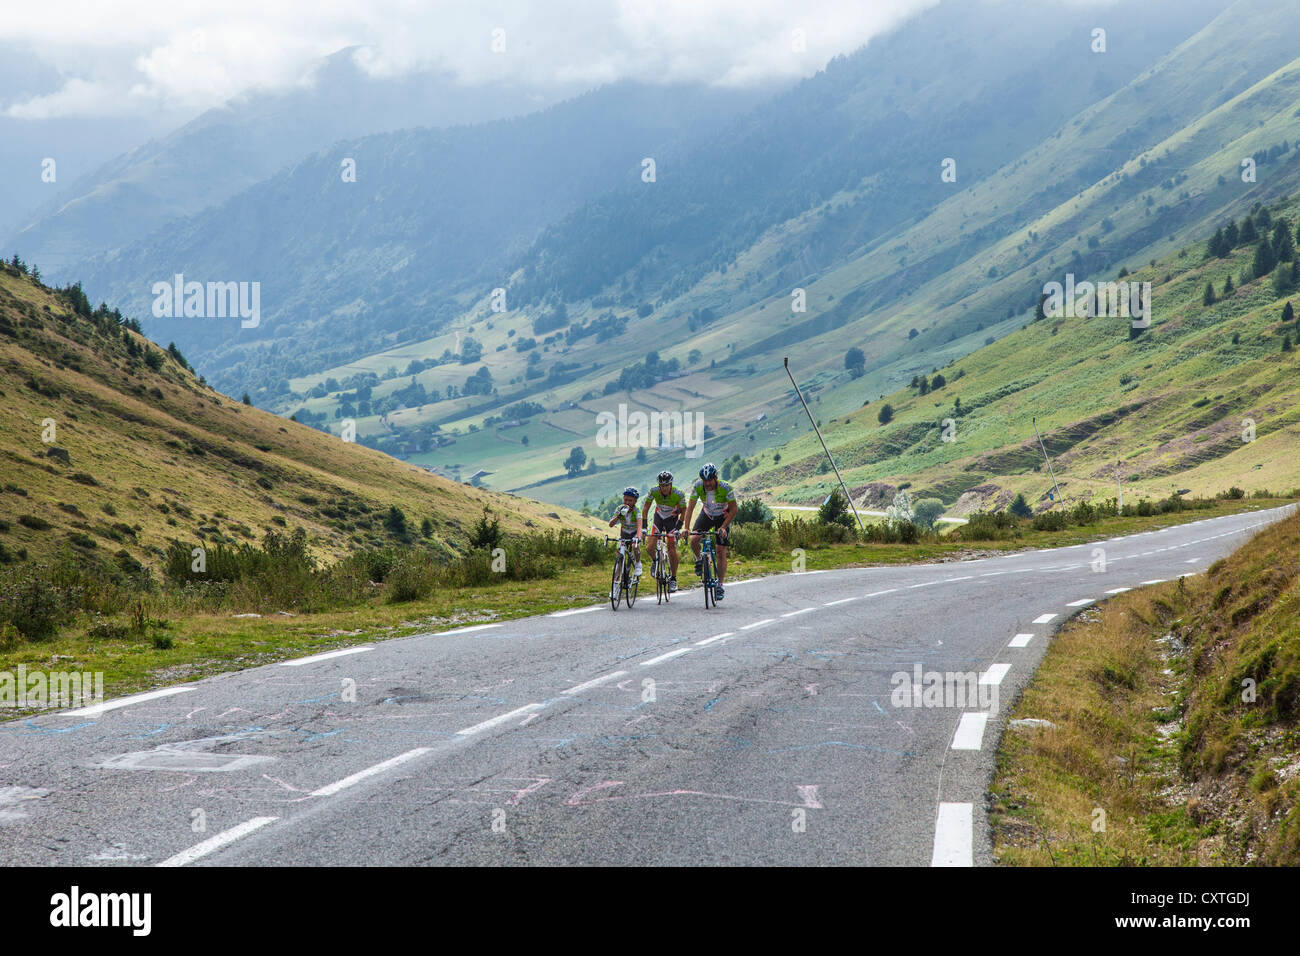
[(665, 505), (714, 502), (626, 518)]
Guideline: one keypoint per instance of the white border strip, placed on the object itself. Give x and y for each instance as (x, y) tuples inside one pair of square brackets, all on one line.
[(324, 657), (595, 682), (332, 788), (94, 710), (953, 836)]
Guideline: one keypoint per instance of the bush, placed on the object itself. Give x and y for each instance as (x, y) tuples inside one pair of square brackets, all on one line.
[(1020, 508), (37, 523), (752, 540), (754, 511), (927, 511), (486, 534), (835, 510), (1050, 521), (983, 526), (30, 602)]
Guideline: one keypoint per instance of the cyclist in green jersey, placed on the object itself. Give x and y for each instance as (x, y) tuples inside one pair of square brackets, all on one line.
[(718, 510), (629, 522), (669, 504)]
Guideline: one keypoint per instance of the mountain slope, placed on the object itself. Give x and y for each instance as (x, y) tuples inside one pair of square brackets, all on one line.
[(141, 453)]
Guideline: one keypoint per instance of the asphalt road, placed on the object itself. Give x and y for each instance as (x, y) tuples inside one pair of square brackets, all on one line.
[(766, 731)]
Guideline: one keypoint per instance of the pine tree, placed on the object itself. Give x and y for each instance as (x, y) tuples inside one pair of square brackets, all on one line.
[(1286, 343), (1231, 236), (1283, 244), (1227, 286), (1288, 313), (1248, 232), (1264, 261), (1208, 297), (1217, 248)]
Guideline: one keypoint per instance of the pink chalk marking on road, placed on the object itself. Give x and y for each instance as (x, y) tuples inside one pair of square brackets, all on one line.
[(808, 799), (537, 784), (193, 779), (190, 715), (812, 690), (287, 786), (233, 710), (905, 727)]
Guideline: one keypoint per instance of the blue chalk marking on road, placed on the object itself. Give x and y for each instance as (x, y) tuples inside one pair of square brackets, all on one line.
[(877, 706), (56, 730), (150, 733), (709, 705)]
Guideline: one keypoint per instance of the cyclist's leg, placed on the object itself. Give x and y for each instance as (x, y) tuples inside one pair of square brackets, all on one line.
[(722, 546)]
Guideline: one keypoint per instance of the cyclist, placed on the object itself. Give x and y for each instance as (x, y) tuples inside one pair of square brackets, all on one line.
[(670, 505), (629, 522), (718, 510)]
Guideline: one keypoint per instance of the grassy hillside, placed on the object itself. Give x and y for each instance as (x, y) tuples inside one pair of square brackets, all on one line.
[(1176, 711), (143, 453), (1164, 411)]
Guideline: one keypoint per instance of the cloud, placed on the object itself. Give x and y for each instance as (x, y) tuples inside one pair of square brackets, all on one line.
[(149, 55)]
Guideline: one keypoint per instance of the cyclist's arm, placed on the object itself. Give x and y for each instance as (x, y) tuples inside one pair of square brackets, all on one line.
[(732, 509), (686, 522)]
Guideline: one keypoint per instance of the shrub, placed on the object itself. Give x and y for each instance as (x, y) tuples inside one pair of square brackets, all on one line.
[(927, 511), (486, 534), (1050, 521), (754, 511), (1020, 508), (30, 602), (35, 522)]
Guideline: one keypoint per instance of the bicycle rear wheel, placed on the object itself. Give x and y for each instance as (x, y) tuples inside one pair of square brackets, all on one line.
[(710, 579), (616, 583), (629, 591)]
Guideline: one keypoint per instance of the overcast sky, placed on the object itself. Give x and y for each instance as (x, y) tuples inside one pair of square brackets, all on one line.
[(91, 58)]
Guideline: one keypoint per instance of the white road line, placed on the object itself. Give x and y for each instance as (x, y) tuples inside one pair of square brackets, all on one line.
[(578, 610), (766, 620), (1043, 618), (595, 682), (923, 584), (994, 674), (1080, 603), (1191, 560), (476, 627), (715, 637), (216, 842), (663, 657), (970, 731), (802, 610), (878, 593), (1156, 581), (953, 836), (963, 578), (1021, 640), (1118, 590), (991, 574), (94, 710), (503, 719), (324, 657), (332, 788), (841, 601)]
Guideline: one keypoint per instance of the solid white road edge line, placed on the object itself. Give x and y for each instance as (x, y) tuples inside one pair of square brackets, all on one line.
[(1021, 640), (715, 637), (994, 674)]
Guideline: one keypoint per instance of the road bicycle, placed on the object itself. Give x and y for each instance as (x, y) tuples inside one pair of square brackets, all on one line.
[(660, 567), (622, 583), (710, 567)]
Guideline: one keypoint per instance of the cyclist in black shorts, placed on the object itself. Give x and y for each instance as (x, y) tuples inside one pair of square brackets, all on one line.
[(669, 504), (718, 510), (629, 523)]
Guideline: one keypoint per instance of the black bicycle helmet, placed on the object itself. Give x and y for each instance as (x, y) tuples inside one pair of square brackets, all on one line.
[(665, 477), (632, 491), (708, 471)]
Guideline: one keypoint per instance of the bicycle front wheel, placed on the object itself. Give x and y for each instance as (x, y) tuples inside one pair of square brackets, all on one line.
[(616, 583)]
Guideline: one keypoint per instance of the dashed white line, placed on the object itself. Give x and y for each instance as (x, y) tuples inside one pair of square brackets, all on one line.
[(216, 842), (953, 836), (1043, 618), (493, 722), (94, 710), (802, 610), (478, 627), (970, 731), (1156, 581), (841, 601), (324, 657), (966, 577), (332, 788), (766, 620), (1021, 640), (715, 637), (1080, 603), (663, 657), (994, 674), (577, 610), (595, 682), (1118, 590)]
